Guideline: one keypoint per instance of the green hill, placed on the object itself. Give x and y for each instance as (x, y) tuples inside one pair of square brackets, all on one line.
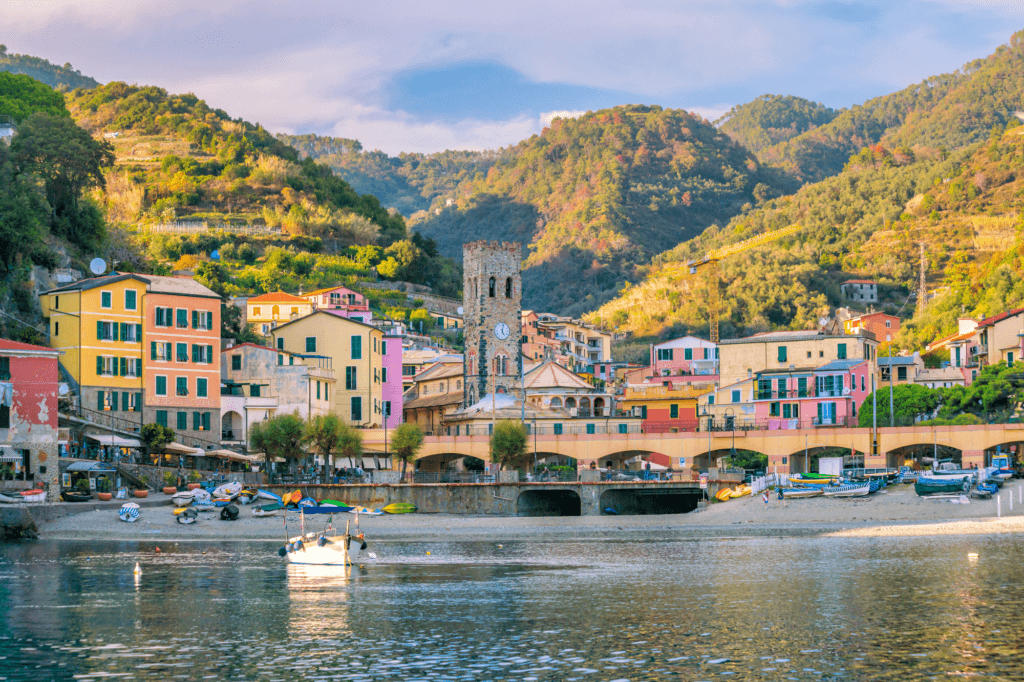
[(596, 196), (771, 119), (408, 182), (60, 78)]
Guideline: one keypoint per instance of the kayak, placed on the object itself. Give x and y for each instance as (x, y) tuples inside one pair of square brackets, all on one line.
[(267, 495), (723, 494), (307, 502), (740, 491), (400, 508), (179, 511), (291, 498)]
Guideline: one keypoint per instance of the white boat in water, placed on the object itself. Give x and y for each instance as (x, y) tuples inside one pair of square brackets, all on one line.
[(326, 548)]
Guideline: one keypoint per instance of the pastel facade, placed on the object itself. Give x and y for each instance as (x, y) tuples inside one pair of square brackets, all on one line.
[(142, 346), (828, 395), (446, 320), (552, 386), (356, 353), (885, 327), (686, 355), (663, 409), (392, 380), (946, 377), (337, 298), (741, 358), (28, 417), (898, 370), (999, 338), (267, 311), (257, 383), (436, 393)]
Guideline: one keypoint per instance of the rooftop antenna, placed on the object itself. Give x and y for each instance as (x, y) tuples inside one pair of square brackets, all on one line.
[(97, 266)]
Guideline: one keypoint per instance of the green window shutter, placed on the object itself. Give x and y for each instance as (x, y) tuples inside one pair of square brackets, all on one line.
[(161, 417), (167, 351), (643, 412), (318, 390), (138, 333), (124, 366), (195, 353), (125, 399), (182, 421), (124, 331), (113, 401), (99, 330), (280, 343), (310, 344), (782, 354), (819, 413), (161, 385), (99, 364), (195, 319), (138, 401), (138, 367), (209, 354), (357, 348), (206, 421), (688, 354), (841, 351), (152, 350), (200, 388), (113, 330), (280, 360), (197, 421), (673, 412), (99, 400)]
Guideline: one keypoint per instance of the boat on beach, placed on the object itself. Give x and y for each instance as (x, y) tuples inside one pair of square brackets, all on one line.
[(813, 479), (266, 510), (267, 495), (6, 499), (228, 490), (932, 485), (796, 493), (400, 508), (129, 512), (847, 490), (183, 498), (33, 495), (75, 496)]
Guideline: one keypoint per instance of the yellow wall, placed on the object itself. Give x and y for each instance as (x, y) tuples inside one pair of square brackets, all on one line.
[(738, 360), (91, 347), (64, 320), (334, 339)]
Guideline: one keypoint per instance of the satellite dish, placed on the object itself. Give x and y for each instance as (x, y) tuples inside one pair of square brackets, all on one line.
[(822, 321), (97, 266), (215, 255), (459, 310), (62, 389)]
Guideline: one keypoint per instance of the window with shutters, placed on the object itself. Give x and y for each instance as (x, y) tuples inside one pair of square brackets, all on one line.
[(201, 385), (131, 367), (782, 354), (356, 408), (673, 411), (5, 369), (136, 401), (160, 350), (687, 354), (280, 343), (735, 396), (182, 352), (183, 421), (236, 362), (181, 386), (384, 375), (901, 373), (182, 320), (318, 390), (350, 379), (106, 365), (131, 333), (841, 351), (164, 317), (357, 347), (161, 418), (773, 410), (202, 319), (558, 429), (130, 299), (310, 344), (254, 391), (161, 385), (106, 331), (106, 299), (665, 353), (590, 429), (202, 354)]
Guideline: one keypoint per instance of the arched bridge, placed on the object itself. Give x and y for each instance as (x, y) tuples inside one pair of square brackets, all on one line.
[(690, 450)]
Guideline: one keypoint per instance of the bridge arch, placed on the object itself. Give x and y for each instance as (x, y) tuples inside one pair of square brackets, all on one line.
[(549, 502), (648, 501)]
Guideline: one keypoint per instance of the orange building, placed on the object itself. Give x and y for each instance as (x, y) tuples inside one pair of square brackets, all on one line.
[(267, 311)]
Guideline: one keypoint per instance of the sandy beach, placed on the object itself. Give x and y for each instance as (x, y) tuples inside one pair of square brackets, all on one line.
[(896, 511)]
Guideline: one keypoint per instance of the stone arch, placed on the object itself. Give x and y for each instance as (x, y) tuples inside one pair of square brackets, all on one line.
[(558, 502), (570, 403), (584, 407), (232, 426), (599, 406), (275, 311), (807, 460), (556, 402)]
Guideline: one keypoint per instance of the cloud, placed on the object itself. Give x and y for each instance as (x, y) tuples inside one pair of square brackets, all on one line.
[(410, 75)]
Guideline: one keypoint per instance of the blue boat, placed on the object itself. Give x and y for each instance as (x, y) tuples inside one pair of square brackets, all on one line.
[(267, 495), (323, 509)]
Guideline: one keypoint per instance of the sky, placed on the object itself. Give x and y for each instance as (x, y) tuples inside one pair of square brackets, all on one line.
[(423, 77)]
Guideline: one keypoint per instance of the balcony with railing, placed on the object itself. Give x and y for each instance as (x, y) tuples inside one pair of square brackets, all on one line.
[(809, 392)]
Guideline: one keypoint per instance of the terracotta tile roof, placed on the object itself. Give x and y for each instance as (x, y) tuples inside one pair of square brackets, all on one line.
[(7, 344), (154, 284), (989, 321), (433, 400), (330, 289), (860, 281), (278, 297), (553, 375)]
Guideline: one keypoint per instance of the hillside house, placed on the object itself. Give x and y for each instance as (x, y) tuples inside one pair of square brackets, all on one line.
[(860, 291)]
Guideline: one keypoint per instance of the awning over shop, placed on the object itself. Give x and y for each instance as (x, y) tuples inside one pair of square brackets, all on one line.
[(110, 439), (7, 454), (232, 456), (179, 449), (91, 467)]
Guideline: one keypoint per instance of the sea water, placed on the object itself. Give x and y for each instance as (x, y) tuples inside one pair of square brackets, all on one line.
[(654, 609)]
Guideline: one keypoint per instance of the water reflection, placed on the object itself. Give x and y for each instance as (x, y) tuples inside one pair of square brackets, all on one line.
[(771, 609)]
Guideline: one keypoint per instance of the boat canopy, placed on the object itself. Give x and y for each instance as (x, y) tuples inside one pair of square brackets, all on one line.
[(91, 467)]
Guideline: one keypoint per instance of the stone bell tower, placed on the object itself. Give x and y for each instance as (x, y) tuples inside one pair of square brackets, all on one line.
[(492, 295)]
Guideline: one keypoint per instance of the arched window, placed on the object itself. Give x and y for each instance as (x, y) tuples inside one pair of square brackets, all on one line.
[(491, 290), (570, 402), (508, 287), (500, 365), (556, 402), (471, 365)]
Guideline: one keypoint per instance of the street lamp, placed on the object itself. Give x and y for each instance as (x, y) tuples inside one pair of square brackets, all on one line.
[(707, 413), (730, 421)]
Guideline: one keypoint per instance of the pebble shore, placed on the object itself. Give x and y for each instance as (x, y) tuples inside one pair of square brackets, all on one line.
[(896, 511)]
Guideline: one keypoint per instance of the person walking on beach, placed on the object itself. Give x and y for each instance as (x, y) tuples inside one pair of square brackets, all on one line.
[(765, 496)]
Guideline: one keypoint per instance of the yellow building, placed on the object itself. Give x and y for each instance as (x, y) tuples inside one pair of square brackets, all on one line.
[(357, 356), (740, 359), (267, 311), (141, 346), (664, 409)]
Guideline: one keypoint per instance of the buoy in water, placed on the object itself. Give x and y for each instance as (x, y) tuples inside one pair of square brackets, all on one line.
[(972, 555), (428, 552), (138, 570), (156, 549)]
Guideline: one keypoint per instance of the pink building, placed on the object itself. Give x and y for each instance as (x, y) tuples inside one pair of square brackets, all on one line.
[(337, 298), (804, 398), (28, 417), (392, 380)]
